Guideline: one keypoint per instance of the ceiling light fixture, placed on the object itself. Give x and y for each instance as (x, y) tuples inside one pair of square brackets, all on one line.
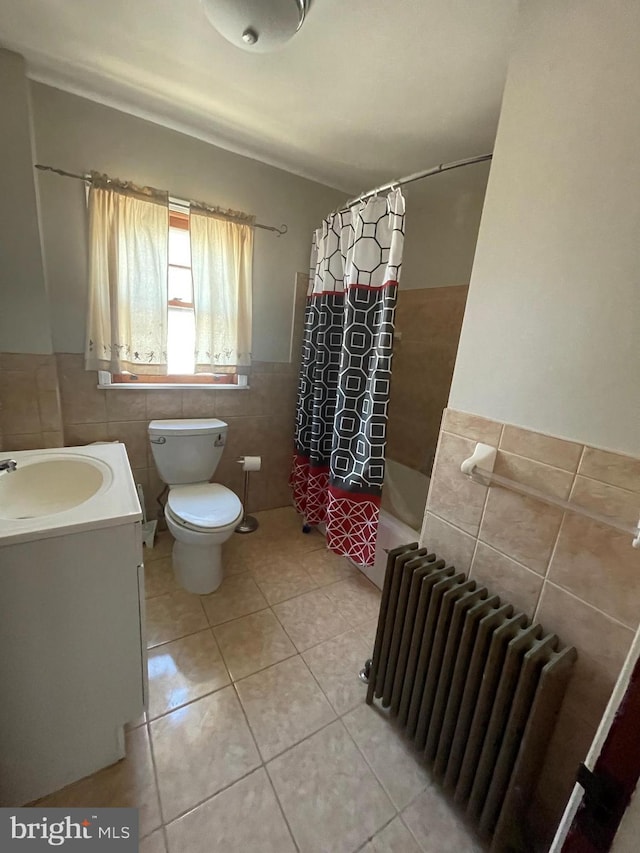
[(257, 25)]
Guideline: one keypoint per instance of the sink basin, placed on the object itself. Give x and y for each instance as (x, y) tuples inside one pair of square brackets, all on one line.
[(50, 485)]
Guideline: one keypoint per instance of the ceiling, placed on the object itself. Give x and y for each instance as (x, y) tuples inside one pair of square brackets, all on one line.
[(367, 91)]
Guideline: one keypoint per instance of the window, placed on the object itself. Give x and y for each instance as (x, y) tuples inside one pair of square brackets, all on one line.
[(169, 288)]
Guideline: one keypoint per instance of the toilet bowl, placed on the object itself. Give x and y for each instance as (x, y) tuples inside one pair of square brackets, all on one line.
[(200, 515)]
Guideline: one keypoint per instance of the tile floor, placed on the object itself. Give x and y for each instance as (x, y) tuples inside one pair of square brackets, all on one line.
[(257, 737)]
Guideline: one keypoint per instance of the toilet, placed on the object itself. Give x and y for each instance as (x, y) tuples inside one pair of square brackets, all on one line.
[(200, 515)]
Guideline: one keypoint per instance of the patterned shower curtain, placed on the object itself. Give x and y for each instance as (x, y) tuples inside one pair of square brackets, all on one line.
[(343, 392)]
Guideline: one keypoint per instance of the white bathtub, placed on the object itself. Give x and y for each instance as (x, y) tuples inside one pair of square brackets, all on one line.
[(404, 496)]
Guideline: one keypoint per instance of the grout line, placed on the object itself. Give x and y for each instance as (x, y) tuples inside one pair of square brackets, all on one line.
[(280, 806), (157, 784), (592, 606)]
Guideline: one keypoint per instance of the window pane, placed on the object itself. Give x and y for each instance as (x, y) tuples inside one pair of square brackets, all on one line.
[(179, 247), (181, 341), (180, 286)]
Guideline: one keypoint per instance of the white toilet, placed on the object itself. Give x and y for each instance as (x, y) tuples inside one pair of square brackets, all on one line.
[(200, 515)]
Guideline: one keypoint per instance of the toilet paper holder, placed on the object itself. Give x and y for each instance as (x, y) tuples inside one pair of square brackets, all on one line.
[(249, 463)]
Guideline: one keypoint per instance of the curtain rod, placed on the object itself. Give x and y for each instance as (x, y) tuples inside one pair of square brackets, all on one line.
[(417, 176), (86, 178)]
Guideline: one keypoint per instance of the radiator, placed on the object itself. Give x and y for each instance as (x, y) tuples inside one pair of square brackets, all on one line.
[(472, 683)]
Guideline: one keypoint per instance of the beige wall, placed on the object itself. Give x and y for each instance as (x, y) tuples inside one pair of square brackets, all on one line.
[(578, 578), (77, 135), (24, 315), (443, 217), (551, 339)]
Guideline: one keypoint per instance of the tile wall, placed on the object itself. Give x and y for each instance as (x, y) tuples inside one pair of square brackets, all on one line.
[(429, 320), (578, 578), (260, 423), (30, 410), (51, 401)]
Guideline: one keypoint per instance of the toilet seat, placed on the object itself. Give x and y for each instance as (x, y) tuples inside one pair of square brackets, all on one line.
[(204, 507)]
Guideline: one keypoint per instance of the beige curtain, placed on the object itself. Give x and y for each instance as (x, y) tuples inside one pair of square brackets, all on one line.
[(221, 260), (128, 268)]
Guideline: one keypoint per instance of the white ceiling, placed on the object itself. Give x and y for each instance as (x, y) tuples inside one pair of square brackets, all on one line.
[(367, 91)]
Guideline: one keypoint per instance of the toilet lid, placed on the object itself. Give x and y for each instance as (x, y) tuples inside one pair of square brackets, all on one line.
[(204, 505)]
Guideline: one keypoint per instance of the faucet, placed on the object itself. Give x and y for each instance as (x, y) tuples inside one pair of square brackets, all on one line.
[(8, 464)]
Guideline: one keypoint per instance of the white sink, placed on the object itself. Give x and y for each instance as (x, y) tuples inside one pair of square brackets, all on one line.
[(51, 484)]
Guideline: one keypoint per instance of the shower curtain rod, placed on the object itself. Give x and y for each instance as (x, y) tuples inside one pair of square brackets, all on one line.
[(417, 176), (87, 179)]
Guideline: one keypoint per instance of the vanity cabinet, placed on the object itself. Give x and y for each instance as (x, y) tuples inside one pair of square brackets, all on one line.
[(72, 655)]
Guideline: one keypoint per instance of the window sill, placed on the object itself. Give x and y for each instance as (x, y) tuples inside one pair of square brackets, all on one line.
[(168, 386)]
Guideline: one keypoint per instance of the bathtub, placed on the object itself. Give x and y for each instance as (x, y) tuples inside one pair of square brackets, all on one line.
[(404, 496)]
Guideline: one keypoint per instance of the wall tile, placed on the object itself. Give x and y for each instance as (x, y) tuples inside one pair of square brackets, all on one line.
[(542, 448), (82, 401), (164, 404), (619, 504), (502, 576), (545, 478), (521, 527), (612, 468), (472, 426), (200, 404), (19, 393), (449, 542), (79, 434), (53, 438), (598, 564), (50, 411), (133, 434), (129, 405), (429, 320), (602, 646), (453, 496), (23, 441)]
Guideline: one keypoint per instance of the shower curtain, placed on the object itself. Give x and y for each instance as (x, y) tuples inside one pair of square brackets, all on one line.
[(343, 391)]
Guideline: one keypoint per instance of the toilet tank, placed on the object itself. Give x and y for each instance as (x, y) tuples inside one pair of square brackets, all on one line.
[(187, 450)]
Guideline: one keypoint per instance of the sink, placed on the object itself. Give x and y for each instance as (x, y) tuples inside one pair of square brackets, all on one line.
[(51, 484)]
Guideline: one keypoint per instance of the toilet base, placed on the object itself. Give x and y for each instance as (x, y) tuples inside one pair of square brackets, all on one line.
[(197, 569)]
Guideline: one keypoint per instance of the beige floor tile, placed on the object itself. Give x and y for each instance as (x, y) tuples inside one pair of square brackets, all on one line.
[(438, 826), (331, 799), (128, 784), (159, 577), (283, 579), (184, 670), (173, 615), (394, 838), (368, 632), (200, 749), (310, 618), (162, 547), (356, 599), (393, 760), (336, 664), (265, 546), (237, 596), (283, 705), (153, 843), (244, 818), (253, 643), (325, 567)]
